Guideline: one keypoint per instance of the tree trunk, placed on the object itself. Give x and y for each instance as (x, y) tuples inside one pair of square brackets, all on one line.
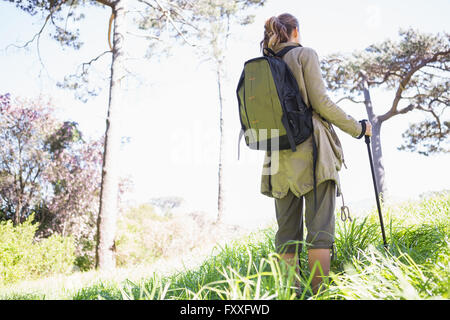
[(17, 213), (220, 196), (21, 187), (107, 217), (377, 154)]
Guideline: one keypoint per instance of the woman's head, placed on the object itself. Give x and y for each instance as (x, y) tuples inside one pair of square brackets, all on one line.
[(280, 29)]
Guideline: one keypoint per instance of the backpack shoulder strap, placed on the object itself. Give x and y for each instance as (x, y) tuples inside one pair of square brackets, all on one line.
[(285, 50), (267, 52)]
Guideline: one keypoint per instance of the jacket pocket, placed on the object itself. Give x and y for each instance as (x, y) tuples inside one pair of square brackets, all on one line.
[(337, 147), (334, 142)]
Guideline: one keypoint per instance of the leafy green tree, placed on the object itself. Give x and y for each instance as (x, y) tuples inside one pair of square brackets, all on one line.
[(416, 69)]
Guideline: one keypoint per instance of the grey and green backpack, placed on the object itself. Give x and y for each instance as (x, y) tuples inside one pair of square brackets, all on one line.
[(272, 112)]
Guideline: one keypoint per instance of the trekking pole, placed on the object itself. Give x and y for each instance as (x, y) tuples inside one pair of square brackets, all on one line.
[(376, 191)]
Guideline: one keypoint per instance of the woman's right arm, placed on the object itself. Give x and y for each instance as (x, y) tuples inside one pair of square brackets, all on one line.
[(319, 99)]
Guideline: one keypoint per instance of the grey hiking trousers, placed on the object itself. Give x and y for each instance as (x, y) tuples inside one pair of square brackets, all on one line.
[(319, 226)]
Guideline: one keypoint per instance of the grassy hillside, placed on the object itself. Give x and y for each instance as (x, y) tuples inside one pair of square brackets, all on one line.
[(416, 265)]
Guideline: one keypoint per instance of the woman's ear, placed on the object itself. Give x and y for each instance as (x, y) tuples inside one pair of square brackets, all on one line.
[(295, 35)]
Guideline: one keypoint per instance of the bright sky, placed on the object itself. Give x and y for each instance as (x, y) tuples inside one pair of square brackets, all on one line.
[(171, 109)]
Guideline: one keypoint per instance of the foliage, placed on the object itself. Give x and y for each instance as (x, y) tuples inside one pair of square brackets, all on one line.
[(416, 68), (421, 137), (47, 168), (140, 238), (21, 258), (24, 128)]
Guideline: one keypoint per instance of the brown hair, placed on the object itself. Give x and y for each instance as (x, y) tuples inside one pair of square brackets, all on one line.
[(278, 29)]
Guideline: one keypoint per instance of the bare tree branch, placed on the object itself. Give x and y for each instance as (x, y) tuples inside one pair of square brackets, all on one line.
[(85, 64), (385, 78), (430, 110), (406, 109), (145, 36), (404, 82), (68, 14), (106, 3), (349, 98), (434, 74), (38, 34)]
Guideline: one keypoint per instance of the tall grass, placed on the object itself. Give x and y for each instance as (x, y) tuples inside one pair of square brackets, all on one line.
[(375, 274), (415, 266)]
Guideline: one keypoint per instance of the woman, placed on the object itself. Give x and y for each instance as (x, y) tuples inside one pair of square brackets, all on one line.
[(294, 178)]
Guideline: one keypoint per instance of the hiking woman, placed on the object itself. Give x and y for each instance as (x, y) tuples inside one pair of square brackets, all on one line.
[(293, 180)]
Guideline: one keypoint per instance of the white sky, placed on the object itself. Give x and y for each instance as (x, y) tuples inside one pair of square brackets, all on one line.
[(171, 110)]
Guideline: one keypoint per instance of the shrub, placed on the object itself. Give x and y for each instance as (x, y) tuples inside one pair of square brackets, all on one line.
[(22, 258)]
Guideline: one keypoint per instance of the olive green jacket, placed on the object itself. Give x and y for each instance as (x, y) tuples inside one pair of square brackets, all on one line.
[(294, 170)]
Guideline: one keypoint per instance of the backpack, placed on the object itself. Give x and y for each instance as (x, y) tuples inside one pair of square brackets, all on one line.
[(272, 112)]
